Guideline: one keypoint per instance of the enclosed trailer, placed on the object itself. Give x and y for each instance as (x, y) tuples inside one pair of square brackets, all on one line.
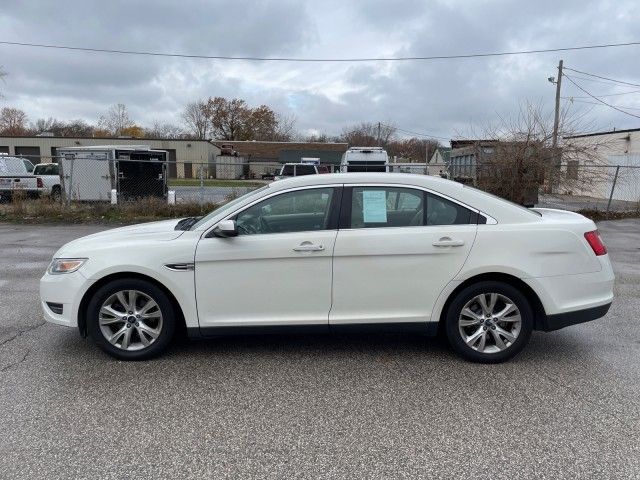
[(134, 171)]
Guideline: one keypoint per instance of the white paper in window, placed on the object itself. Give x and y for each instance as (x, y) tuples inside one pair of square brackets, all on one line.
[(374, 206)]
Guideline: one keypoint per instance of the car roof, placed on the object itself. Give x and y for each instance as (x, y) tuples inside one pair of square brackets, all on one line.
[(366, 177)]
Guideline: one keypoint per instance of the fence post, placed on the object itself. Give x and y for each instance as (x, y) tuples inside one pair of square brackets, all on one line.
[(63, 186), (201, 187), (613, 186)]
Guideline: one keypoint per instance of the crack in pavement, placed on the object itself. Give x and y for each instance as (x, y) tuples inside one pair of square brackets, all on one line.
[(21, 332), (11, 365)]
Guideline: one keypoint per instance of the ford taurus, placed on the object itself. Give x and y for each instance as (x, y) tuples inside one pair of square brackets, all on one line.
[(337, 252)]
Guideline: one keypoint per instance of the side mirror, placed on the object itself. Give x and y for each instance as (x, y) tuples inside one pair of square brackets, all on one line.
[(226, 229)]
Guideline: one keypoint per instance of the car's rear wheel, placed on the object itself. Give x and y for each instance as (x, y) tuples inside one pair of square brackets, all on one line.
[(489, 322), (131, 319)]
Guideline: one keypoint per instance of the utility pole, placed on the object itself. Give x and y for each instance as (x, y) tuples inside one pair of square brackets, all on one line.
[(554, 141), (379, 139), (556, 120)]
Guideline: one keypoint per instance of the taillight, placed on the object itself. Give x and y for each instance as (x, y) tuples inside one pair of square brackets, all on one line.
[(39, 182), (595, 242)]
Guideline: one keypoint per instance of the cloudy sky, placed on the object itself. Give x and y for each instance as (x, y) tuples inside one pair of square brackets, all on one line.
[(441, 97)]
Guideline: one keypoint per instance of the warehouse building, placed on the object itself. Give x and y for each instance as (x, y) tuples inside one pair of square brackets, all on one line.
[(184, 155), (261, 159)]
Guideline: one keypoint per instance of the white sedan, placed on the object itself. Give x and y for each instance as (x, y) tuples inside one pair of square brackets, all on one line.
[(337, 252)]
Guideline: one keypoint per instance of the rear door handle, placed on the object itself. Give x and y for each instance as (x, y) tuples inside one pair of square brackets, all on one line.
[(308, 247), (448, 242)]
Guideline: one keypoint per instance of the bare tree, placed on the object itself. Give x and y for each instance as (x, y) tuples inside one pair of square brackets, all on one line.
[(412, 149), (285, 130), (13, 121), (365, 134), (515, 158), (317, 138), (196, 119), (164, 130), (77, 128), (116, 119), (50, 124)]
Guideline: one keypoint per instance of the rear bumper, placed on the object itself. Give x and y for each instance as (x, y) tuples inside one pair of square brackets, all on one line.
[(561, 320)]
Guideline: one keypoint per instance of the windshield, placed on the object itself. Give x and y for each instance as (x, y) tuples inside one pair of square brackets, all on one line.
[(227, 206)]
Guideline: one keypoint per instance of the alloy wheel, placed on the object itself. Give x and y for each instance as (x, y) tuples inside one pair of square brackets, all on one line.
[(130, 320), (490, 323)]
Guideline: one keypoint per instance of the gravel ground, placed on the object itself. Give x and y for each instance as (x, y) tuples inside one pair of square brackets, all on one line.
[(315, 407)]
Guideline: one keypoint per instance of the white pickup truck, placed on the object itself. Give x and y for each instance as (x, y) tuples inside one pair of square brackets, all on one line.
[(50, 175), (16, 174)]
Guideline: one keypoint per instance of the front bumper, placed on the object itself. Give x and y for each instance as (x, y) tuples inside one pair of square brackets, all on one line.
[(561, 320), (66, 289)]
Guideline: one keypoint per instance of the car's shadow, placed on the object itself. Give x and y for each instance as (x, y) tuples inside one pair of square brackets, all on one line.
[(543, 348)]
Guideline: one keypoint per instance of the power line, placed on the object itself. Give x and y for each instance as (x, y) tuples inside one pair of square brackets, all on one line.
[(426, 135), (293, 59), (598, 103), (605, 78), (597, 99), (608, 95), (590, 79)]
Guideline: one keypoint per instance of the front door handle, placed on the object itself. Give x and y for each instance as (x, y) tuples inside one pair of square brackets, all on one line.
[(308, 247), (448, 242)]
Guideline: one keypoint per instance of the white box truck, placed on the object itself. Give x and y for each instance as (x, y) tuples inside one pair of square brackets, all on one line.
[(365, 159)]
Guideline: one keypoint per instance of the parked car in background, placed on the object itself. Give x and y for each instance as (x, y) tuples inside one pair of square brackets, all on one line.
[(363, 251), (50, 175), (299, 169), (16, 175), (365, 159)]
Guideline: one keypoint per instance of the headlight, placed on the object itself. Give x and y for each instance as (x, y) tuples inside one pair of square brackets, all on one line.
[(65, 265)]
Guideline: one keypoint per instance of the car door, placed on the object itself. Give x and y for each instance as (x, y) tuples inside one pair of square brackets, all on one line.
[(396, 250), (277, 271)]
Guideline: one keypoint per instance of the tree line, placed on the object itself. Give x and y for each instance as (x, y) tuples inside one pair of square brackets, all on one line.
[(221, 119)]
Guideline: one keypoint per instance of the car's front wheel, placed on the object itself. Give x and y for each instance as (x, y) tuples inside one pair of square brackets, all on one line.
[(130, 319), (489, 322)]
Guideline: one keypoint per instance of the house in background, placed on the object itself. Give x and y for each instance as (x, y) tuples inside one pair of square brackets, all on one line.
[(438, 164)]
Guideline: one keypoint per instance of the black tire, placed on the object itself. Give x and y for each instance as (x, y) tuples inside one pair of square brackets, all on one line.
[(156, 294), (466, 295), (56, 193)]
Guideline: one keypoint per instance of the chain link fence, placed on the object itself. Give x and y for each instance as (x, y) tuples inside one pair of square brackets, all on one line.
[(72, 181)]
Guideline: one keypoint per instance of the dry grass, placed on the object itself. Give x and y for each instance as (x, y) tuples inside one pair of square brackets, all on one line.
[(598, 215), (44, 210)]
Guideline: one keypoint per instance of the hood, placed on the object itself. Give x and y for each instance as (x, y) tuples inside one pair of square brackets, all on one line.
[(144, 232)]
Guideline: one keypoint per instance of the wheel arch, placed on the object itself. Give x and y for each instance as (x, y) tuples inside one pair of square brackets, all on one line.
[(539, 314), (86, 298)]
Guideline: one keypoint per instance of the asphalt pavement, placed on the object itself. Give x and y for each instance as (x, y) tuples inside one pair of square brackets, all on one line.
[(385, 406)]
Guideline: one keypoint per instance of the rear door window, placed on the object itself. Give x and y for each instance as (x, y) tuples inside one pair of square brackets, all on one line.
[(375, 207)]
